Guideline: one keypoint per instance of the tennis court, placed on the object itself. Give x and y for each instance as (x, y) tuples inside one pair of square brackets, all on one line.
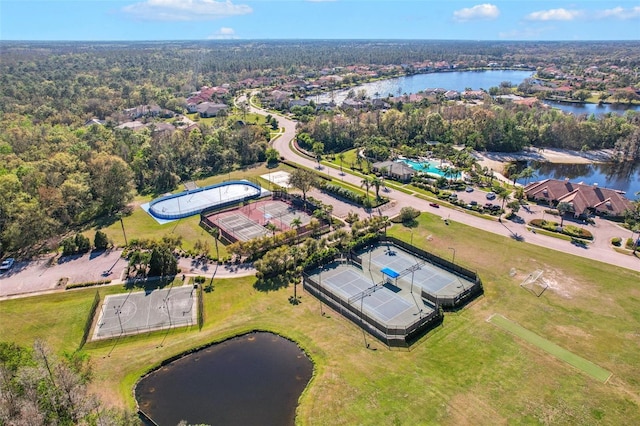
[(374, 299), (414, 271), (240, 226), (138, 312), (283, 213)]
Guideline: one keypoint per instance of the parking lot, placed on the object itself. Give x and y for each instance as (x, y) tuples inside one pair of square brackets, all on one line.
[(45, 272)]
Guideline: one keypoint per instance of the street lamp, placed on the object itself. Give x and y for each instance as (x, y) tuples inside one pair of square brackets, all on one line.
[(453, 260)]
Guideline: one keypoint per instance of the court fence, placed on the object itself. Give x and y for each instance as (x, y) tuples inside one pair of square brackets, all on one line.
[(130, 331), (229, 237), (89, 322), (391, 335)]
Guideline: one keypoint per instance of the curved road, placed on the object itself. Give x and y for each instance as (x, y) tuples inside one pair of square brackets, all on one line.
[(603, 230)]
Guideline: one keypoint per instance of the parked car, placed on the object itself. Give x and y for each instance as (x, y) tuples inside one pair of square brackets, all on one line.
[(7, 264), (469, 189), (436, 205), (474, 203), (491, 195)]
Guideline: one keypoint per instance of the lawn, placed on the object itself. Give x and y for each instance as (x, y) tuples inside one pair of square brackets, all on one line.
[(466, 371), (553, 349)]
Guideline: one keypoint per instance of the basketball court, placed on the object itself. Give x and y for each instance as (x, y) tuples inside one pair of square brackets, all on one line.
[(142, 311)]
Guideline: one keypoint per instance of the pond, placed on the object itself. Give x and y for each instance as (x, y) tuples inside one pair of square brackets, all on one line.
[(621, 176), (596, 109), (456, 80), (254, 379)]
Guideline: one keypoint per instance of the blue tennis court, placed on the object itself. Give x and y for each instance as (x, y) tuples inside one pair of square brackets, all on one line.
[(373, 298), (413, 271)]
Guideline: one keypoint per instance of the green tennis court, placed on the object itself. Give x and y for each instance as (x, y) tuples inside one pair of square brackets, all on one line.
[(578, 362)]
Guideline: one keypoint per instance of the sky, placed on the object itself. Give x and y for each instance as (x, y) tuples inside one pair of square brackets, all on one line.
[(97, 20)]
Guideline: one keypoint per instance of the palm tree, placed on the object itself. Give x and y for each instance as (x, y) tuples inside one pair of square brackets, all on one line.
[(366, 182), (216, 234), (271, 227), (341, 158), (527, 174), (563, 208), (376, 182), (504, 195), (296, 223)]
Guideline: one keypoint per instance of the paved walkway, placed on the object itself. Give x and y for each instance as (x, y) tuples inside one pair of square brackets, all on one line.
[(603, 230)]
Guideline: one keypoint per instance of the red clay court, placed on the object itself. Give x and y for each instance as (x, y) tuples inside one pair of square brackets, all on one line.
[(248, 222)]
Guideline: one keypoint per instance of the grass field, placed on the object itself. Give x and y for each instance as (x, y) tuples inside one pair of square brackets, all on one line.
[(466, 371), (562, 354)]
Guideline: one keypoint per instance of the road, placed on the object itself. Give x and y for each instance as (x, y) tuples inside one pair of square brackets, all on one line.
[(603, 230)]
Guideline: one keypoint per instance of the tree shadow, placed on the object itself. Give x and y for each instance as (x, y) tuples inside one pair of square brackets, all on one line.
[(271, 283), (410, 223), (148, 284)]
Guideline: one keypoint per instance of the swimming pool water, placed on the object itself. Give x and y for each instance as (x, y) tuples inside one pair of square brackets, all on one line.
[(426, 167)]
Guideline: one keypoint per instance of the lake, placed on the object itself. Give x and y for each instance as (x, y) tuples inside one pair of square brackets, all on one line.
[(621, 176), (456, 80), (597, 109), (254, 379)]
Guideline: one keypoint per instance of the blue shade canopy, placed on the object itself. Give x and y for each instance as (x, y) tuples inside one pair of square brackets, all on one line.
[(390, 272)]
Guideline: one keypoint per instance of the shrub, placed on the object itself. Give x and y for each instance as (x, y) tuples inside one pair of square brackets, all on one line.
[(629, 243), (408, 214), (617, 241), (100, 241)]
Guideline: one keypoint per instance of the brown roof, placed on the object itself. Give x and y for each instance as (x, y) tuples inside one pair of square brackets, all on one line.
[(582, 197)]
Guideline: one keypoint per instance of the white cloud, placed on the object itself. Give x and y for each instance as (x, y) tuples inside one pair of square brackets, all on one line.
[(554, 15), (224, 33), (620, 13), (480, 11), (185, 10)]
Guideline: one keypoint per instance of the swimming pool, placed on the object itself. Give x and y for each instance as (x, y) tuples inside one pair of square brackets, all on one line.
[(428, 167)]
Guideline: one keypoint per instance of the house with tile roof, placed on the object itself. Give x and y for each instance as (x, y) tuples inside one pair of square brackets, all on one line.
[(584, 199)]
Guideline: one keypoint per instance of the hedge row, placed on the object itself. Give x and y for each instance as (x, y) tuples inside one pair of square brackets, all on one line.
[(86, 284), (570, 230)]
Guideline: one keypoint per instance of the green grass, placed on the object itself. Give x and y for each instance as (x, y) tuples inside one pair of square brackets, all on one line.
[(465, 371), (562, 354)]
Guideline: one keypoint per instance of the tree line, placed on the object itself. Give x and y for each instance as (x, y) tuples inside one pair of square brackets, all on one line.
[(487, 127)]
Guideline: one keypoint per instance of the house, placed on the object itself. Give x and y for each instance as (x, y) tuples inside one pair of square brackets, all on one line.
[(93, 121), (451, 95), (132, 125), (473, 94), (143, 111), (354, 104), (210, 109), (395, 170), (298, 102), (584, 199)]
